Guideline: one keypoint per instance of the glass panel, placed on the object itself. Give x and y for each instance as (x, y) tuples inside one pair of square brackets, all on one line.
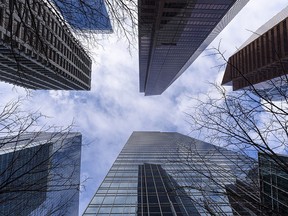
[(109, 200), (97, 200), (92, 210)]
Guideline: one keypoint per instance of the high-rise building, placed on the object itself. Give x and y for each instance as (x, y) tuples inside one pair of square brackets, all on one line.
[(244, 195), (159, 173), (261, 62), (273, 175), (172, 34), (38, 50), (264, 191), (90, 16), (40, 174)]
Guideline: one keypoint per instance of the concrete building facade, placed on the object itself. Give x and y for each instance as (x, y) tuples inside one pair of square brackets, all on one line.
[(38, 51)]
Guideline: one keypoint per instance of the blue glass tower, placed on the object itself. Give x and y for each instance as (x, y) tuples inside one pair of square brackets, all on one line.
[(40, 174), (85, 15), (171, 174)]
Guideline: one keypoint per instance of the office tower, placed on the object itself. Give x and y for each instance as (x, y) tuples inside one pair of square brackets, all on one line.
[(160, 173), (40, 174), (273, 174), (37, 49), (244, 195), (261, 62), (265, 189), (90, 16), (172, 34)]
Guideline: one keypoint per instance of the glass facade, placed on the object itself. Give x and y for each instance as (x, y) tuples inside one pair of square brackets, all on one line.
[(160, 173), (274, 89), (93, 15), (273, 173), (40, 174), (244, 196), (173, 33), (156, 194), (23, 170)]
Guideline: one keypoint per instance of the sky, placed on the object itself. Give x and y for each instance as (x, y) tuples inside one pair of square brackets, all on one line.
[(108, 114)]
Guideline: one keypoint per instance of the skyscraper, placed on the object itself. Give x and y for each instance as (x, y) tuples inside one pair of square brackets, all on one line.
[(37, 49), (261, 62), (40, 174), (160, 173), (172, 34), (90, 16), (244, 195), (273, 174), (264, 191)]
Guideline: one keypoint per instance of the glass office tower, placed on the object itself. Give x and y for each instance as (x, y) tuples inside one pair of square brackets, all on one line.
[(90, 16), (173, 33), (40, 174), (23, 175), (159, 173), (273, 174), (265, 190)]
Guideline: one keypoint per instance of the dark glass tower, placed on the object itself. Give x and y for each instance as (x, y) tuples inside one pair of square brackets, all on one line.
[(157, 194), (168, 174), (173, 33), (40, 174), (273, 174)]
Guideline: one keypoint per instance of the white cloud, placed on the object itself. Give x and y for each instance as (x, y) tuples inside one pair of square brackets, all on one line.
[(114, 108)]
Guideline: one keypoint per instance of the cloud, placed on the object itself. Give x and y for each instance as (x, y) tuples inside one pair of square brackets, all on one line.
[(107, 115)]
